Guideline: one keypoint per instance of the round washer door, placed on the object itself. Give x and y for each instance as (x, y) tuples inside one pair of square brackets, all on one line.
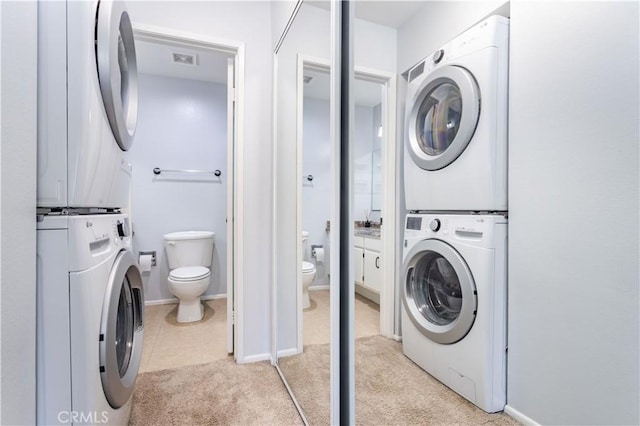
[(121, 330), (439, 293), (443, 117), (117, 70)]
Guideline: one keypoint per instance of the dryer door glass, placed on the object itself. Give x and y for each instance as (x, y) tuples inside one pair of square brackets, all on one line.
[(442, 117), (121, 330), (439, 118), (117, 70), (440, 295)]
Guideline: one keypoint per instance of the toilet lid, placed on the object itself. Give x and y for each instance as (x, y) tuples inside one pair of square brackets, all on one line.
[(189, 273), (308, 267)]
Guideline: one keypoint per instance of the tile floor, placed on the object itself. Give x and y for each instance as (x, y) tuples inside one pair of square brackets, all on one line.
[(168, 344), (316, 318)]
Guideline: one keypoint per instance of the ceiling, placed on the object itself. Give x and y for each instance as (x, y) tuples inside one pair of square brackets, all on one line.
[(388, 13), (156, 58), (366, 93)]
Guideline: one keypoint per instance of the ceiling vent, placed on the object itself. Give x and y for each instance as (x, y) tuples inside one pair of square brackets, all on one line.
[(307, 79), (185, 59)]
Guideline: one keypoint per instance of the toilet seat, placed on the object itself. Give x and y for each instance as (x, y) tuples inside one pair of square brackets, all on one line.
[(189, 273), (308, 267)]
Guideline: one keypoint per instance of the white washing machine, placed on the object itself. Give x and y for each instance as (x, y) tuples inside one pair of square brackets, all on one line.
[(456, 123), (454, 298), (90, 320), (87, 103)]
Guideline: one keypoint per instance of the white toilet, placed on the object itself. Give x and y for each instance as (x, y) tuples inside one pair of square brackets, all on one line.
[(308, 273), (189, 256)]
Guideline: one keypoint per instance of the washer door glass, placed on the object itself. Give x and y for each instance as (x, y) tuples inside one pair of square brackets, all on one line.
[(125, 327), (117, 70), (439, 294), (121, 330), (443, 117)]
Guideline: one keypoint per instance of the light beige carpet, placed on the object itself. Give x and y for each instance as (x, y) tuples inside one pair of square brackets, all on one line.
[(390, 389), (218, 393)]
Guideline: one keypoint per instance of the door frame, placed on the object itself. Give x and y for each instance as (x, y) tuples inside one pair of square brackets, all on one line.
[(389, 201), (235, 161)]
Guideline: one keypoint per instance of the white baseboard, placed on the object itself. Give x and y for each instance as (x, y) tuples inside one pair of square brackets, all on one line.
[(174, 300), (255, 358), (288, 352), (397, 338), (214, 296), (319, 287), (160, 302), (525, 420)]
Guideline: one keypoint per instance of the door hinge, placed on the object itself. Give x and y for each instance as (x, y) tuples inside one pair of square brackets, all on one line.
[(233, 317)]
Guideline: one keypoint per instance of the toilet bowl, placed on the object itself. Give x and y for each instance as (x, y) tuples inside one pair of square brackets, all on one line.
[(189, 257), (188, 284), (308, 275)]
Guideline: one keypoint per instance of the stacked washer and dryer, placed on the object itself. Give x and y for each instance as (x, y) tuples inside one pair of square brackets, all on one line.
[(90, 300), (454, 288)]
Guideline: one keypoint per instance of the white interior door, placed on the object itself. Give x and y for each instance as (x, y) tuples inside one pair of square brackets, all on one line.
[(231, 103)]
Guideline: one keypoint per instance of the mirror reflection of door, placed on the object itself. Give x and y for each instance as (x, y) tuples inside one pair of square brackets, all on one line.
[(315, 204), (367, 207), (303, 202)]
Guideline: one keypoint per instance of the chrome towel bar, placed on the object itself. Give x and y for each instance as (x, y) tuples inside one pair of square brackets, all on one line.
[(158, 170)]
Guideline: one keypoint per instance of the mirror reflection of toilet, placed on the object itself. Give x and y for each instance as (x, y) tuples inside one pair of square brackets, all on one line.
[(308, 273), (189, 255)]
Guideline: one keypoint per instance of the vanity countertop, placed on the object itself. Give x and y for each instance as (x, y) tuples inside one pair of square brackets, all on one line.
[(367, 232)]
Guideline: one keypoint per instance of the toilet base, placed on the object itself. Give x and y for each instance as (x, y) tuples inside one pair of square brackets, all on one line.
[(190, 310), (306, 300)]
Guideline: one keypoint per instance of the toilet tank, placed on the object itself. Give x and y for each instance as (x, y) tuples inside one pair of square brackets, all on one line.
[(189, 248)]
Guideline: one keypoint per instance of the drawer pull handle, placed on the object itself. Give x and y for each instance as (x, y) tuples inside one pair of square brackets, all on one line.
[(378, 262)]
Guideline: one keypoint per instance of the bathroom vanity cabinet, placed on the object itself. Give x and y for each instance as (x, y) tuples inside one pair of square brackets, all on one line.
[(367, 272)]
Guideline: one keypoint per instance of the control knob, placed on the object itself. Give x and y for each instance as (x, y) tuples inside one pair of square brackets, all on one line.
[(437, 56), (434, 225), (122, 228)]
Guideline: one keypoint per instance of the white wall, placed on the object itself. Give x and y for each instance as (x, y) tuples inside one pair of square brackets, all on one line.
[(316, 195), (573, 234), (375, 46), (18, 103), (182, 124), (436, 24), (245, 22)]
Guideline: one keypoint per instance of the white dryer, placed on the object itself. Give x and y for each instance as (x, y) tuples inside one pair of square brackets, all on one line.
[(454, 298), (90, 320), (456, 123), (87, 103)]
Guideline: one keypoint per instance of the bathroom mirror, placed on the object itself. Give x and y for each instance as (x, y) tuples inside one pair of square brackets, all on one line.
[(303, 191), (376, 175)]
